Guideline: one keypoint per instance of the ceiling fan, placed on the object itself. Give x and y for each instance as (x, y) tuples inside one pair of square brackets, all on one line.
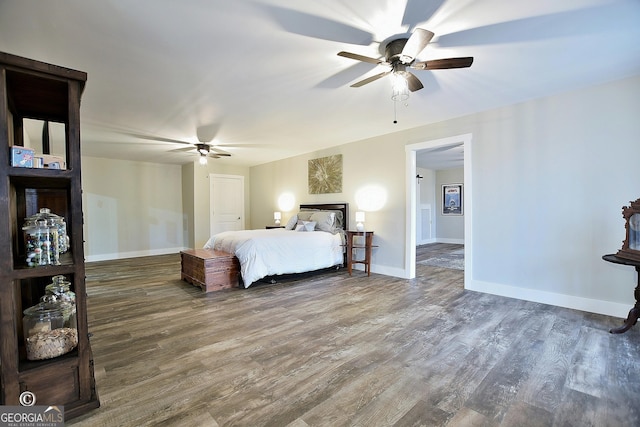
[(202, 148), (400, 54)]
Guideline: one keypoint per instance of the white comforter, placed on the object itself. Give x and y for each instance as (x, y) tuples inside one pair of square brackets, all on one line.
[(278, 251)]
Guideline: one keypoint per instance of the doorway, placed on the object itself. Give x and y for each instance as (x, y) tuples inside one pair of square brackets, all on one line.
[(411, 211)]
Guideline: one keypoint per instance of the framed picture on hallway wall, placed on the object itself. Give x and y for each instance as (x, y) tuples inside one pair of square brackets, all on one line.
[(452, 200)]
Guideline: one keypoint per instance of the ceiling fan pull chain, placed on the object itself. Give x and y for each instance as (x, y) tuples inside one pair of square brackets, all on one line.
[(395, 112)]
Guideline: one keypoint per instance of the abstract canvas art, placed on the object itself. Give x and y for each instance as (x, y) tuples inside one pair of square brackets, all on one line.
[(325, 175)]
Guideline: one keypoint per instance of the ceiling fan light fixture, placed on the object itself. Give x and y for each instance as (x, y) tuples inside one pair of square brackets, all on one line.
[(203, 149), (399, 87)]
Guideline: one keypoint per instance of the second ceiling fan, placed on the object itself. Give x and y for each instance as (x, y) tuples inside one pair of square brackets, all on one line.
[(401, 53)]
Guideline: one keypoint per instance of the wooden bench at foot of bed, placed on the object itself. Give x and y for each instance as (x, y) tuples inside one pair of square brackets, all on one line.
[(210, 270)]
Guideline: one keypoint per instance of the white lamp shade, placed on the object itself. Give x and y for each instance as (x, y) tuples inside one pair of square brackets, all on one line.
[(360, 221), (277, 216)]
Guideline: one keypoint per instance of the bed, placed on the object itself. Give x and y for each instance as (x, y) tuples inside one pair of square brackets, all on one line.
[(313, 239)]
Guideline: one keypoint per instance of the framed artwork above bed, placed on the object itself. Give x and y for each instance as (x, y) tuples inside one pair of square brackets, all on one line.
[(325, 175)]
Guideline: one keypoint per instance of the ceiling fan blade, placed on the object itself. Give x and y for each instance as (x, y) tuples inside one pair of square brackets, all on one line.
[(318, 27), (219, 152), (418, 11), (223, 145), (442, 64), (183, 149), (158, 138), (349, 74), (413, 83), (360, 58), (207, 132), (416, 43), (370, 79)]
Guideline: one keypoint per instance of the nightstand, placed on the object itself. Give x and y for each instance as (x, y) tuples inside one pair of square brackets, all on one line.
[(269, 227), (364, 241)]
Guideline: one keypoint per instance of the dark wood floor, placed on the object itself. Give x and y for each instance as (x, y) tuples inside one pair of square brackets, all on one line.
[(333, 350)]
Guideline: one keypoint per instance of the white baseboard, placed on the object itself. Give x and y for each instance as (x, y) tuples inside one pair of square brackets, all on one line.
[(426, 242), (133, 254), (454, 241), (607, 308), (385, 270)]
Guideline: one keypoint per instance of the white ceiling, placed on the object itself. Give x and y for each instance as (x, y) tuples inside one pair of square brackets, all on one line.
[(264, 78)]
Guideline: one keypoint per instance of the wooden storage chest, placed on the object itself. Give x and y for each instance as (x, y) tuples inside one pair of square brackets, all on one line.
[(209, 269)]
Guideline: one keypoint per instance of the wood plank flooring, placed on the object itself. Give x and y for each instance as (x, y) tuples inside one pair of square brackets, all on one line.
[(333, 350)]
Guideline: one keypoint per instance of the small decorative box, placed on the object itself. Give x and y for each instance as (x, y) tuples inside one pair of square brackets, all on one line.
[(22, 157)]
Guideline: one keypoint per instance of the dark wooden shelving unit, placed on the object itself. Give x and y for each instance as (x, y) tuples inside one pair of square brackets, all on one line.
[(32, 89)]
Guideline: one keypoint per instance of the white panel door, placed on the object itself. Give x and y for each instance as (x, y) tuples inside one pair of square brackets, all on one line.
[(227, 202)]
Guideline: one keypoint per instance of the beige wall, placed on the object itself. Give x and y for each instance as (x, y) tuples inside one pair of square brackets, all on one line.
[(131, 208), (365, 163), (549, 179), (136, 209)]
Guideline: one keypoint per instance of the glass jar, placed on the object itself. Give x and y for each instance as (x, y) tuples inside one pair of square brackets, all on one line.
[(41, 242), (44, 333), (59, 292), (52, 220)]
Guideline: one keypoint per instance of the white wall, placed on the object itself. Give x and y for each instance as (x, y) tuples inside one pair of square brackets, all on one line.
[(449, 229), (550, 178), (549, 175), (134, 209), (131, 208)]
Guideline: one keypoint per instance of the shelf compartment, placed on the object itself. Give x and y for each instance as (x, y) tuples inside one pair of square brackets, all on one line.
[(53, 383), (27, 197)]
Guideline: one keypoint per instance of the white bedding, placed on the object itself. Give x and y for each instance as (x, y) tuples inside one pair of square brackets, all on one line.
[(278, 251)]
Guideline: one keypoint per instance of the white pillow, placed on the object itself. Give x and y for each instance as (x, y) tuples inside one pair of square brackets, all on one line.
[(306, 226), (291, 224), (325, 221)]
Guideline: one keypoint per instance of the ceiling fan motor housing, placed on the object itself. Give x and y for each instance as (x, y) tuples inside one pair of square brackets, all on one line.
[(393, 52), (203, 149)]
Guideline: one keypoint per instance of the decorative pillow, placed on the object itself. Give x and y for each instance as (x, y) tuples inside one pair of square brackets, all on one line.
[(306, 226), (325, 221), (305, 215), (339, 220), (291, 224)]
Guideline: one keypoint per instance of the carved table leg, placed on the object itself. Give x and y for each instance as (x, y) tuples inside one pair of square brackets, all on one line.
[(634, 313)]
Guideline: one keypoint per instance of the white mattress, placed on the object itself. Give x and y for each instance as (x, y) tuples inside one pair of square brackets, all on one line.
[(278, 251)]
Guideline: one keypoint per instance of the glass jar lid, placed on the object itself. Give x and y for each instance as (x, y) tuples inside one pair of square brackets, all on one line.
[(46, 215)]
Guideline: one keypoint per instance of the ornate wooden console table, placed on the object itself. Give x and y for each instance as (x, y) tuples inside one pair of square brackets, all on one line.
[(634, 313)]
